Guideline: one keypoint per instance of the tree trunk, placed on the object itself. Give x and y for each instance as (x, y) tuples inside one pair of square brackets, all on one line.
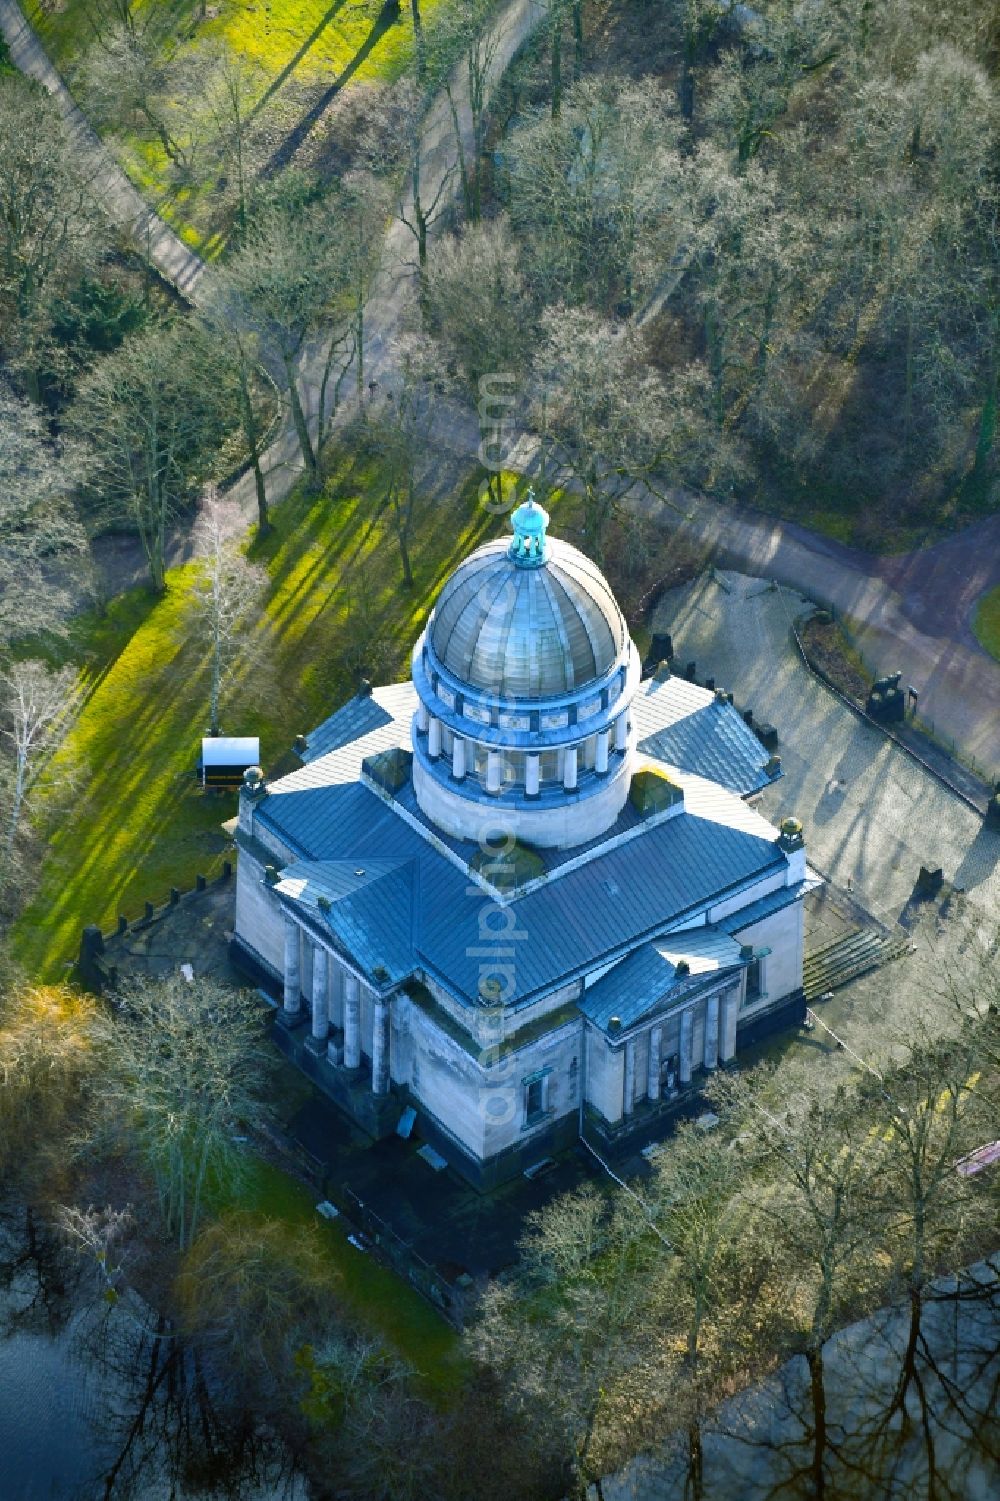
[(817, 1391), (17, 801), (908, 1368), (404, 558), (577, 39), (213, 708), (713, 344), (299, 416), (252, 435), (986, 436), (696, 1460), (556, 60), (418, 39), (908, 386)]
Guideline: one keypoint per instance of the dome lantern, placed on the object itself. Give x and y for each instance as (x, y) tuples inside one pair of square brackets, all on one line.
[(529, 546)]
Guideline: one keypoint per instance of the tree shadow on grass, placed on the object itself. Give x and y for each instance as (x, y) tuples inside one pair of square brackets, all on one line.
[(289, 68), (283, 154)]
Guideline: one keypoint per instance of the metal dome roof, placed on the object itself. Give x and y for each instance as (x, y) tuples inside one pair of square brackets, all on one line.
[(536, 624)]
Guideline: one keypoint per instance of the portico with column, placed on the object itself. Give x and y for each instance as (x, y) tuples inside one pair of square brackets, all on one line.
[(626, 955)]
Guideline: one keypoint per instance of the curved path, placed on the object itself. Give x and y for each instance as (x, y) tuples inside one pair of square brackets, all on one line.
[(153, 239), (909, 611)]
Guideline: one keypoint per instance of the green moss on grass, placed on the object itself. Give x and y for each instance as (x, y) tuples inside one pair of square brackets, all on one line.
[(986, 622), (378, 1298), (134, 821), (295, 45)]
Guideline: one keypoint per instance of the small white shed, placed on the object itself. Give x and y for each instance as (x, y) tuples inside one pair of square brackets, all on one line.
[(224, 759)]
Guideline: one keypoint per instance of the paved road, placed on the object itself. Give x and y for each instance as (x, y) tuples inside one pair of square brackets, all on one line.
[(909, 611)]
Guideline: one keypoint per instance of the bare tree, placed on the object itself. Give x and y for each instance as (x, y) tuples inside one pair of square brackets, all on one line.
[(597, 192), (302, 276), (185, 1071), (156, 411), (37, 706), (610, 421), (234, 86), (46, 1061), (478, 304), (471, 36), (48, 220), (228, 594), (562, 1337), (42, 543), (928, 1208), (252, 1291), (821, 1161), (128, 75)]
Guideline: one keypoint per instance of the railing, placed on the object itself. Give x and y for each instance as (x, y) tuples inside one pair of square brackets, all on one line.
[(96, 974)]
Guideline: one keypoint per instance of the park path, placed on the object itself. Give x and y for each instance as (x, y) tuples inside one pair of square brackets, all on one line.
[(153, 239), (908, 611)]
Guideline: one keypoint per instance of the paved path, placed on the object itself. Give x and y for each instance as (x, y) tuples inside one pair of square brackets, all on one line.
[(909, 611), (152, 237)]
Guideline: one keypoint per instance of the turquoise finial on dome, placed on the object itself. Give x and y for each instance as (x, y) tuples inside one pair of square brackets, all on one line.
[(529, 546)]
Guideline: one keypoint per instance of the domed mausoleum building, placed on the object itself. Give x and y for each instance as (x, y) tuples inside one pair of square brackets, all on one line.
[(523, 895)]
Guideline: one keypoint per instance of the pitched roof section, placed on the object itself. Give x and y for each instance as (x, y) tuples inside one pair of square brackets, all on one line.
[(594, 907), (646, 978), (361, 717), (368, 909), (690, 728)]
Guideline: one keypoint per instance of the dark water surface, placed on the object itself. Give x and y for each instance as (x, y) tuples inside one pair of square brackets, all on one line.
[(102, 1404)]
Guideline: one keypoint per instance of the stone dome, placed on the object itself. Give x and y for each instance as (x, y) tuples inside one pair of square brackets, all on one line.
[(531, 618)]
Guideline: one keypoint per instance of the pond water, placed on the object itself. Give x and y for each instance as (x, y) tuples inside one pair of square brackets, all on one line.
[(50, 1430), (96, 1404)]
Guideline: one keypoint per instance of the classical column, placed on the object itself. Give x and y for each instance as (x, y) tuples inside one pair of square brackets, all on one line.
[(380, 1048), (493, 771), (687, 1038), (730, 1013), (531, 775), (601, 753), (653, 1073), (321, 1011), (621, 731), (423, 717), (629, 1101), (352, 1022), (458, 758), (712, 1031), (434, 738), (569, 768), (292, 997)]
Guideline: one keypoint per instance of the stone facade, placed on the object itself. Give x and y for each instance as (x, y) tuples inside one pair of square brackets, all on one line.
[(354, 887)]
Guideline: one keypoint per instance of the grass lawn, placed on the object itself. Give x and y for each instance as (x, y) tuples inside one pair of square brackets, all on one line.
[(133, 822), (378, 1298), (986, 622), (292, 46)]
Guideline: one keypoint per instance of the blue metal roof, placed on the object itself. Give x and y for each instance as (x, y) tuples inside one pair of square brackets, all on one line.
[(622, 895), (370, 908), (359, 716), (648, 975), (766, 905), (596, 903), (690, 728)]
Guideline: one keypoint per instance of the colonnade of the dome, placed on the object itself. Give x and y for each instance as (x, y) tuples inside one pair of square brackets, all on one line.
[(551, 768)]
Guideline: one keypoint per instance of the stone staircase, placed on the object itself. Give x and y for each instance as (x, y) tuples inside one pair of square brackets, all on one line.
[(846, 958)]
